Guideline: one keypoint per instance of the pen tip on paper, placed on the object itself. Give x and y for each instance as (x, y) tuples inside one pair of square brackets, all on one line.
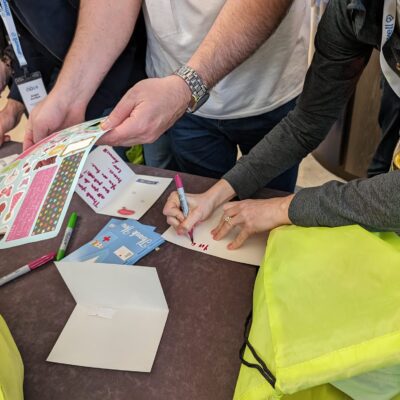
[(191, 236)]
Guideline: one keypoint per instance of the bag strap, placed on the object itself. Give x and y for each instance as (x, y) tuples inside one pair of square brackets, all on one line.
[(261, 366)]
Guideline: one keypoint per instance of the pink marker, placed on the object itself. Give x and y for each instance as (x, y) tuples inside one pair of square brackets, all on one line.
[(182, 200), (27, 268)]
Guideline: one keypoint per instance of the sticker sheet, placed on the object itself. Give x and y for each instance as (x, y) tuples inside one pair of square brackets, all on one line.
[(251, 252), (110, 187), (37, 187)]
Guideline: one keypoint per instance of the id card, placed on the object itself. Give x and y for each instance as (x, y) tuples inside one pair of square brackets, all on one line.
[(32, 90)]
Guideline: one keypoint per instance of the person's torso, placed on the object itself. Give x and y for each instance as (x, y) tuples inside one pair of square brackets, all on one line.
[(268, 79), (51, 23)]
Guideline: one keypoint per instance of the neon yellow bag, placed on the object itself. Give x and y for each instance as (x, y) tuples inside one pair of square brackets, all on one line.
[(11, 367), (326, 307), (135, 154)]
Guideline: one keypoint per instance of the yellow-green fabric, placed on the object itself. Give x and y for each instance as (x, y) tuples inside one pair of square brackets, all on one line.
[(381, 384), (326, 307), (11, 367), (135, 154)]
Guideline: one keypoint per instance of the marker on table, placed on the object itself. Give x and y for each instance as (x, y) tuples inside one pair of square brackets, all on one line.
[(67, 236), (27, 268), (183, 201)]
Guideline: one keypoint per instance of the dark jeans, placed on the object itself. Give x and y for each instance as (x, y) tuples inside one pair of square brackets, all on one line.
[(209, 147), (389, 121)]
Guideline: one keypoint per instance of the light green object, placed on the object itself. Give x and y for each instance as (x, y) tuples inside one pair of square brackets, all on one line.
[(67, 236), (382, 384), (11, 366), (326, 307), (135, 154)]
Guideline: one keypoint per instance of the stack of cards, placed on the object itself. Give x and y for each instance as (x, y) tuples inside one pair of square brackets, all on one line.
[(119, 242)]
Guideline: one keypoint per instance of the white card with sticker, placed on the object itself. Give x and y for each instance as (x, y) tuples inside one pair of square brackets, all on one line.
[(118, 320), (32, 90)]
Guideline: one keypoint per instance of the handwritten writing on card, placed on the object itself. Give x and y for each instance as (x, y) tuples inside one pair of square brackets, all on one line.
[(251, 252), (103, 176)]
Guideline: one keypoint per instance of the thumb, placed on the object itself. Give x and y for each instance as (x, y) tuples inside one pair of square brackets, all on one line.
[(28, 136), (28, 140), (121, 112), (190, 222)]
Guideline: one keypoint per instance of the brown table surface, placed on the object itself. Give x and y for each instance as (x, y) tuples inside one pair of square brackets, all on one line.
[(209, 300)]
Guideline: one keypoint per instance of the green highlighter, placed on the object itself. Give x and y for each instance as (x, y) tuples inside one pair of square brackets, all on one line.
[(67, 236)]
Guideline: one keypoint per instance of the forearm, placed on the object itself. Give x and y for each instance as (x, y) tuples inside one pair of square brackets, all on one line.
[(103, 30), (240, 29), (371, 203), (330, 82)]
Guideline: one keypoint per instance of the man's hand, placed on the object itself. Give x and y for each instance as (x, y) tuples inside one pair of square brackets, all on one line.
[(51, 115), (252, 216), (10, 116), (5, 74), (147, 111)]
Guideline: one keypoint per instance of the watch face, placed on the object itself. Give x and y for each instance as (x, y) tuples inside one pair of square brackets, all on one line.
[(194, 106)]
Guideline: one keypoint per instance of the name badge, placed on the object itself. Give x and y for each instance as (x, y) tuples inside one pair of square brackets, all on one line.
[(32, 90)]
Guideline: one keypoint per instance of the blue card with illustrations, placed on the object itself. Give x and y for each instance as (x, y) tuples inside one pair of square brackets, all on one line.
[(119, 242)]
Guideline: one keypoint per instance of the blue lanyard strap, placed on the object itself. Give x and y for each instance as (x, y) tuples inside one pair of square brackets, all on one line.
[(9, 24)]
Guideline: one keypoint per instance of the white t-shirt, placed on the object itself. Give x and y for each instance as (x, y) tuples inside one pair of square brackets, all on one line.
[(270, 78)]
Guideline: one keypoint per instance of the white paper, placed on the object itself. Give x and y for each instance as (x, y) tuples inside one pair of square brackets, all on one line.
[(118, 320), (110, 187), (251, 252), (7, 160)]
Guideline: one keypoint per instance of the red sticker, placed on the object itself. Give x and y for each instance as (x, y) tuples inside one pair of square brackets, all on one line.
[(125, 211)]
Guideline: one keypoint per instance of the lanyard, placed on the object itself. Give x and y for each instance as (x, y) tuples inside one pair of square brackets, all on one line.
[(8, 20), (388, 27)]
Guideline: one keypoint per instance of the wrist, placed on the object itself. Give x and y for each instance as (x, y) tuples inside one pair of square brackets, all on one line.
[(66, 105), (182, 89), (198, 67), (67, 97), (284, 210), (198, 90), (15, 107), (220, 193)]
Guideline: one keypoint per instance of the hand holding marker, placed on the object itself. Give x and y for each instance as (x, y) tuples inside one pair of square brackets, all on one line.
[(183, 201)]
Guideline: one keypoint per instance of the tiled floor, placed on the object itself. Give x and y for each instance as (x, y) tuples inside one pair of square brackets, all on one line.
[(311, 173)]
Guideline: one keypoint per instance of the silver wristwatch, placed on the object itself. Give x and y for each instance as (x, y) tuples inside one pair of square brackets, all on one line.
[(199, 90)]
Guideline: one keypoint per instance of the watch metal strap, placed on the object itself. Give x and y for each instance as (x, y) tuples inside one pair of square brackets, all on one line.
[(195, 83)]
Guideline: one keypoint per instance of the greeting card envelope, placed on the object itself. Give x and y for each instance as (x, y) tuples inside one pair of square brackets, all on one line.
[(119, 242), (119, 318), (251, 252), (110, 187), (36, 188)]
